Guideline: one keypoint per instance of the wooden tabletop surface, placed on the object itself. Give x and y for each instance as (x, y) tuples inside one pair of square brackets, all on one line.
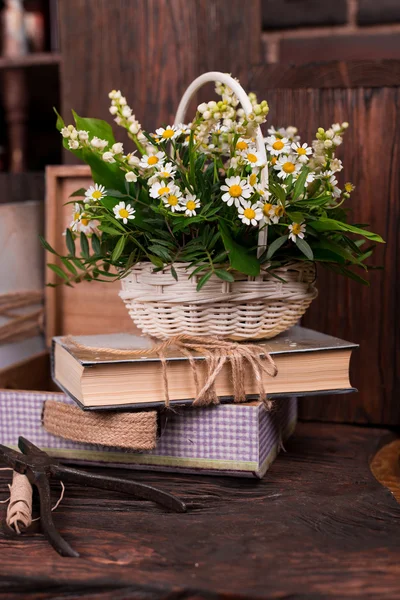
[(319, 525)]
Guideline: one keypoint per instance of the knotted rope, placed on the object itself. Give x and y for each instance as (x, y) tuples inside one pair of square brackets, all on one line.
[(217, 353), (24, 325), (19, 510)]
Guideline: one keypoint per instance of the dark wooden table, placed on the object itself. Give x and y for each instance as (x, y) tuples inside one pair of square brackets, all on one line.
[(318, 526)]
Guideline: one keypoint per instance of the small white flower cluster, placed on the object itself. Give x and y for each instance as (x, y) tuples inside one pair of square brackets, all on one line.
[(123, 113)]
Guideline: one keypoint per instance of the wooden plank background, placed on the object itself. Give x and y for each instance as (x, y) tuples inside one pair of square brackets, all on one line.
[(152, 49), (371, 154)]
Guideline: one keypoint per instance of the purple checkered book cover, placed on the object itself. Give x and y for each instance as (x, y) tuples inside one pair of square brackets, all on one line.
[(230, 438)]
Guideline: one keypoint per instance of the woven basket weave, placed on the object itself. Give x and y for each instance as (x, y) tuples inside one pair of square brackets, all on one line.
[(163, 307), (248, 308)]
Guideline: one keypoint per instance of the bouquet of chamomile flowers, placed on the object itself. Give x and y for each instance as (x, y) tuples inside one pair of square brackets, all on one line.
[(194, 193)]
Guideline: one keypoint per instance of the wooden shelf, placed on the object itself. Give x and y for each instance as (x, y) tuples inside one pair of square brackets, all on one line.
[(30, 60)]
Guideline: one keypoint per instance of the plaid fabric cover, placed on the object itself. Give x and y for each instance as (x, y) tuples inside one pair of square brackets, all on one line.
[(232, 439)]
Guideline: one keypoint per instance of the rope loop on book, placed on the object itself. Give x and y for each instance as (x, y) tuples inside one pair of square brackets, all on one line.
[(243, 359)]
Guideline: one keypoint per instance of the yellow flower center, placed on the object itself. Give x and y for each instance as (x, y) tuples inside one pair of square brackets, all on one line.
[(84, 222), (235, 191), (253, 179), (152, 160), (296, 228), (123, 213), (301, 151), (242, 145), (172, 200), (249, 213), (252, 158), (187, 138), (165, 174), (163, 190), (97, 195), (191, 205), (349, 187), (266, 208), (278, 145), (168, 133), (279, 210), (76, 216), (273, 160), (288, 167)]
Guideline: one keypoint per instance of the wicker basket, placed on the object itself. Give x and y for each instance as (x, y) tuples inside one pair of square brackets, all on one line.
[(248, 308), (242, 310)]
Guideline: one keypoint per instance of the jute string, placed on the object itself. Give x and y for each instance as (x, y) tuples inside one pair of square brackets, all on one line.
[(21, 326), (19, 510), (217, 353)]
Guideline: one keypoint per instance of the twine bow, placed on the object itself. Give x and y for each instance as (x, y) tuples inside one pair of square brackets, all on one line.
[(217, 353)]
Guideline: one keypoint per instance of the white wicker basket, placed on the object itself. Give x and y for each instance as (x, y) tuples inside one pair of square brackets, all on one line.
[(248, 308)]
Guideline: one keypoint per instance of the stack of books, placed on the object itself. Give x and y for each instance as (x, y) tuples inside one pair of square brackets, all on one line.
[(231, 438)]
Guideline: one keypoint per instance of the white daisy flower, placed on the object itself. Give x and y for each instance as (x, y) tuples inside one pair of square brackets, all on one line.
[(152, 160), (162, 188), (172, 201), (236, 191), (296, 230), (166, 171), (182, 129), (124, 212), (281, 132), (287, 165), (290, 133), (89, 227), (98, 143), (276, 213), (131, 177), (252, 179), (303, 152), (267, 209), (242, 144), (190, 204), (250, 214), (336, 191), (95, 193), (169, 133), (253, 158), (262, 191), (76, 217), (276, 145), (218, 129)]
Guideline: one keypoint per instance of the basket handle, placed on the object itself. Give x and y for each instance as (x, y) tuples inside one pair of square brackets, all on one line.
[(237, 89)]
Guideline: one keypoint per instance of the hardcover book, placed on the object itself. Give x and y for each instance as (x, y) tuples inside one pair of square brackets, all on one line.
[(308, 362)]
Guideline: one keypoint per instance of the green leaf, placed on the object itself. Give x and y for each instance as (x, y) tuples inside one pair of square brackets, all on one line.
[(109, 230), (85, 245), (224, 275), (68, 265), (300, 183), (275, 245), (203, 280), (332, 225), (304, 248), (70, 242), (46, 245), (96, 244), (295, 217), (239, 257), (78, 194), (95, 127), (119, 247), (157, 262), (56, 269), (278, 191), (60, 121), (174, 273)]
